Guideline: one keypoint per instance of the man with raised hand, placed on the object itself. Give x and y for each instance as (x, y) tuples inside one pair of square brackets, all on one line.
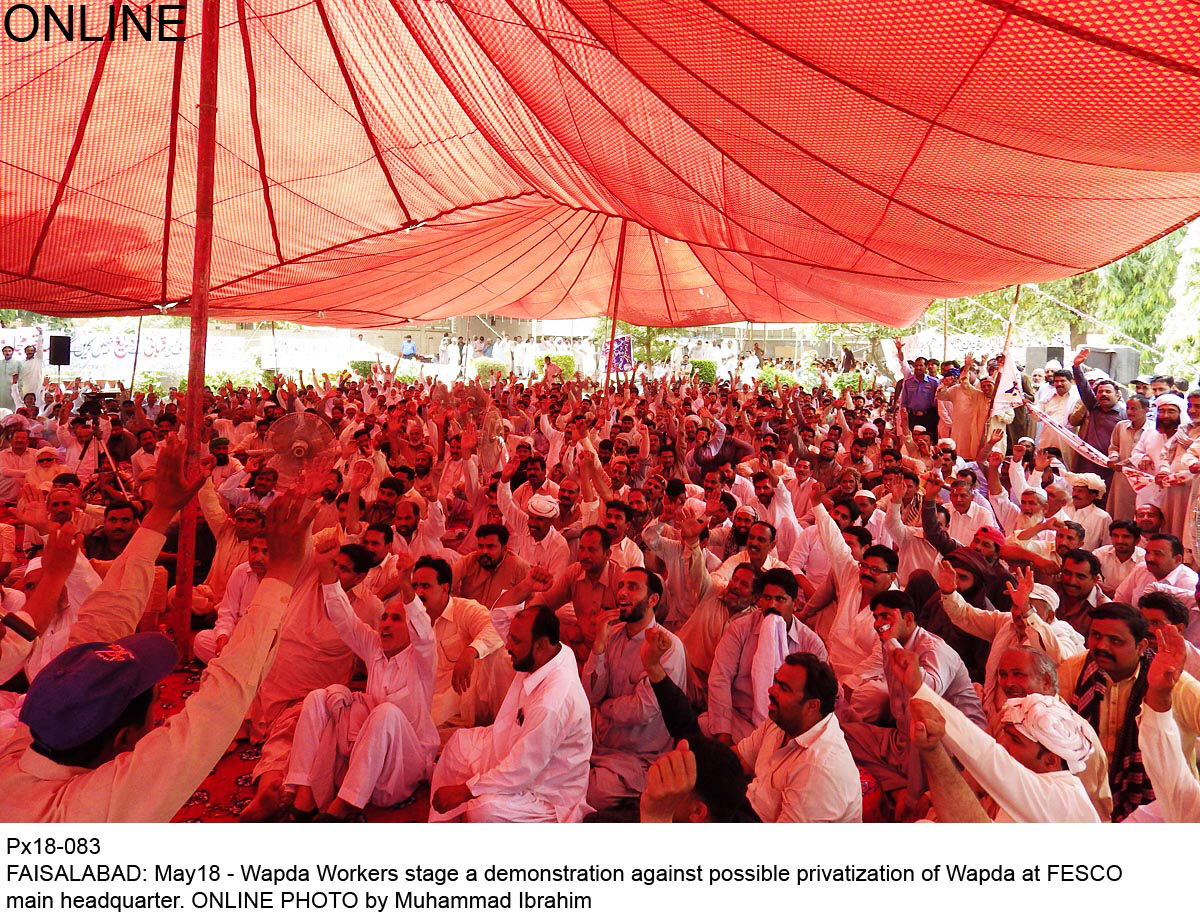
[(1029, 771), (88, 751), (1176, 788)]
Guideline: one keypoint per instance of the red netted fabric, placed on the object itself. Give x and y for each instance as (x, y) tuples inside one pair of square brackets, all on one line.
[(391, 160)]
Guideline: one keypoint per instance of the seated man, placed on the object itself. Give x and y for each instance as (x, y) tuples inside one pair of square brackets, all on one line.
[(800, 765), (749, 653), (464, 693), (629, 729), (377, 745), (1176, 788), (491, 570), (531, 764), (1029, 770), (880, 742), (101, 761), (239, 594), (700, 782)]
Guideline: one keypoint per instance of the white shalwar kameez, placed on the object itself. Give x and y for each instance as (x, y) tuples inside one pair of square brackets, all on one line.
[(383, 739)]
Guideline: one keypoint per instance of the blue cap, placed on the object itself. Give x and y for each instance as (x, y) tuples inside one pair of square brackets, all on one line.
[(84, 690)]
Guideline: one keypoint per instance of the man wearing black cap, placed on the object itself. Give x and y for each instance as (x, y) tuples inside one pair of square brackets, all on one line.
[(86, 751)]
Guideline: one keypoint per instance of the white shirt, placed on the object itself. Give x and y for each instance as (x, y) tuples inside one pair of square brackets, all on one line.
[(1023, 796), (1176, 789), (404, 678), (809, 778), (1140, 580), (239, 593), (626, 554), (963, 525), (1094, 520), (743, 669), (541, 741), (1112, 570)]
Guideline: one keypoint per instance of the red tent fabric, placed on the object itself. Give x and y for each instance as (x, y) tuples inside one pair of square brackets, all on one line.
[(813, 160)]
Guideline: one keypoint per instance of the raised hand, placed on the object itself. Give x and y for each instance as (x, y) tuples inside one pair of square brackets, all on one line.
[(926, 725), (669, 782), (947, 578), (907, 669), (656, 645), (1165, 669)]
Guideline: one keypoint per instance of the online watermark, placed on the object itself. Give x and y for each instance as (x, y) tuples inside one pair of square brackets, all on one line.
[(81, 22)]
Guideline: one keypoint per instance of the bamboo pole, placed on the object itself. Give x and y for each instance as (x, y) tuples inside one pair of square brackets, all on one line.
[(1012, 318), (206, 148)]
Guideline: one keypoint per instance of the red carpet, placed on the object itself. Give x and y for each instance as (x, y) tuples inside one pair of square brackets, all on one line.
[(228, 788)]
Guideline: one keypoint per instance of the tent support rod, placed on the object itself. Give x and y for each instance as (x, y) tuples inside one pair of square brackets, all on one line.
[(206, 149), (614, 295)]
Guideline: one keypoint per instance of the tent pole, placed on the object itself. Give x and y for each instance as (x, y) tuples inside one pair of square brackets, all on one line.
[(614, 295), (206, 148), (1012, 319), (136, 348)]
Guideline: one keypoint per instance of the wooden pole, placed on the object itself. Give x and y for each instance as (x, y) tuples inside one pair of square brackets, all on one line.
[(206, 150), (945, 330), (614, 295)]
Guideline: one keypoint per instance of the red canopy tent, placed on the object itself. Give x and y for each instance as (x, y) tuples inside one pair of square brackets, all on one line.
[(381, 161)]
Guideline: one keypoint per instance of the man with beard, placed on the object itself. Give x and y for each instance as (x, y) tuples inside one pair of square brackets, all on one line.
[(1106, 685), (532, 763), (414, 534), (1087, 490), (1104, 411), (492, 569), (243, 581), (750, 651), (773, 503), (826, 468), (1155, 453), (589, 586), (630, 732), (737, 485), (223, 465)]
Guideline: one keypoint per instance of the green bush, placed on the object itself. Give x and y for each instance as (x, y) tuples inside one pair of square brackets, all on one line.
[(771, 378), (848, 380), (565, 363), (485, 366), (707, 370), (405, 378), (361, 368)]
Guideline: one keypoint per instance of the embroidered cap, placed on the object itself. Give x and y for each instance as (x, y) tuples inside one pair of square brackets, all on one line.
[(85, 689)]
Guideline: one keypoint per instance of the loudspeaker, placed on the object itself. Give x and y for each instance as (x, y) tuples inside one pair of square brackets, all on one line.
[(60, 350), (1120, 362)]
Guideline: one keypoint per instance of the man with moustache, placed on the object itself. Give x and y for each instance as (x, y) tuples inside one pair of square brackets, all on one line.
[(1104, 410), (531, 764), (629, 730), (1154, 453), (491, 570), (750, 651)]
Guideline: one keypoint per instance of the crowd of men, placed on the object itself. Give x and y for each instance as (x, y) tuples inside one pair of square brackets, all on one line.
[(547, 601)]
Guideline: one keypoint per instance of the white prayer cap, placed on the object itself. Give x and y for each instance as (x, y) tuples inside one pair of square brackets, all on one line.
[(695, 507), (1052, 724), (947, 442), (863, 493), (1045, 595), (867, 431), (1053, 365), (1093, 482), (920, 428), (543, 506), (1040, 493), (694, 418), (1172, 399), (748, 509)]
